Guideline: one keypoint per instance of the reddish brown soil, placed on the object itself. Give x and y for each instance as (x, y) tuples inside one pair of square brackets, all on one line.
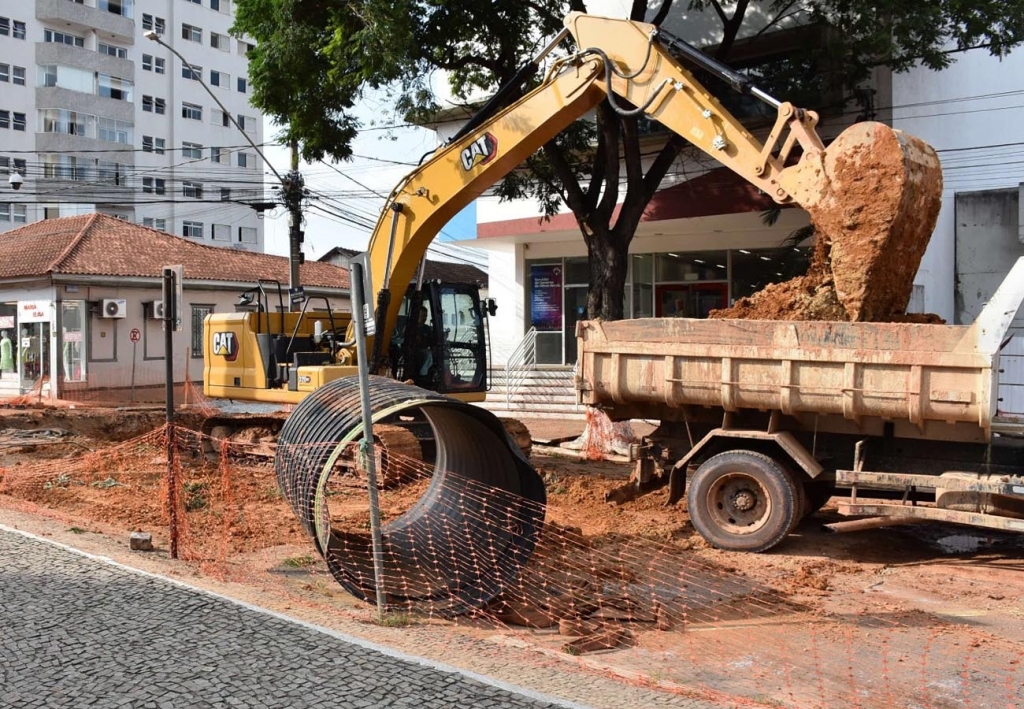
[(873, 224)]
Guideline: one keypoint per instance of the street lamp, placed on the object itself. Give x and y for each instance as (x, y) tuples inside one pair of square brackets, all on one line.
[(291, 186)]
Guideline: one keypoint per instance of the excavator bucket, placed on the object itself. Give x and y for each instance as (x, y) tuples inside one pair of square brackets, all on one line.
[(873, 196)]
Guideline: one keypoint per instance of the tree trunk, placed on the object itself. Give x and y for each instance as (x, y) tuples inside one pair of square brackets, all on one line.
[(609, 261)]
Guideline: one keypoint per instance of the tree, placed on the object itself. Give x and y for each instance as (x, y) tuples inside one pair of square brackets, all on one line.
[(315, 57)]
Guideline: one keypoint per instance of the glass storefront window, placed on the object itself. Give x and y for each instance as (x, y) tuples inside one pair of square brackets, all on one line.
[(643, 285), (699, 266), (72, 361), (9, 345), (753, 269), (577, 271)]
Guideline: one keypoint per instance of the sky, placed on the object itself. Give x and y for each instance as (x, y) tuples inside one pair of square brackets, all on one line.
[(346, 197)]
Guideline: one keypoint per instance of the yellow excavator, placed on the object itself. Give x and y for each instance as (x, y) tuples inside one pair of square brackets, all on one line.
[(429, 346)]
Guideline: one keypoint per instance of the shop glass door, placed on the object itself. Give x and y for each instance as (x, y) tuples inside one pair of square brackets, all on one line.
[(34, 355)]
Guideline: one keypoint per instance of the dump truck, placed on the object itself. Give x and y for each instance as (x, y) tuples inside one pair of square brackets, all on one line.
[(761, 420)]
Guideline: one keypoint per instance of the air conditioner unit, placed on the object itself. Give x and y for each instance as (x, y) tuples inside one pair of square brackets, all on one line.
[(155, 310), (113, 308)]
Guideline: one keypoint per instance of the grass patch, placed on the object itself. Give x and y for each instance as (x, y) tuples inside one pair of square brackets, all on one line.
[(396, 620), (299, 562)]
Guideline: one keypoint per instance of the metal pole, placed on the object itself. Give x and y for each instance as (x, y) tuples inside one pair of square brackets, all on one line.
[(172, 477), (135, 356), (293, 199), (366, 447)]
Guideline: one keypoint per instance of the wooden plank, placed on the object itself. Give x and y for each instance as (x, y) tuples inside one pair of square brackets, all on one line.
[(973, 519)]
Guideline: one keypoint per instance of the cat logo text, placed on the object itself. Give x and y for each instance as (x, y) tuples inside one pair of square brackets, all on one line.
[(480, 152), (225, 344)]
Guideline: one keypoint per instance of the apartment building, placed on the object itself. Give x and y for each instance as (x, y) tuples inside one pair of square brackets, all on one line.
[(95, 117)]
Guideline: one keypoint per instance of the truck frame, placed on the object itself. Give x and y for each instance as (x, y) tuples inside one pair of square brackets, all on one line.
[(763, 419)]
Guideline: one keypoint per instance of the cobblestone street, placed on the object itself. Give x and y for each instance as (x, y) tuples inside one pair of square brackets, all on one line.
[(76, 631)]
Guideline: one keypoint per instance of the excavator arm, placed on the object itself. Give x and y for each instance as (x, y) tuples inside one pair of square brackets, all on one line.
[(617, 58)]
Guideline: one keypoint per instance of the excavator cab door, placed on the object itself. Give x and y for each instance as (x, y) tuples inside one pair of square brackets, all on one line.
[(440, 341)]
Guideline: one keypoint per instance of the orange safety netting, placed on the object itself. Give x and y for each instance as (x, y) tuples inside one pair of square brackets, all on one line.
[(669, 616)]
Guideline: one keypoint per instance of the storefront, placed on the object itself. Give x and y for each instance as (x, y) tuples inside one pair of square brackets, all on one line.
[(672, 284), (26, 346)]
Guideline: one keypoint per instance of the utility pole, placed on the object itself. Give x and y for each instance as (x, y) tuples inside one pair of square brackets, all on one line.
[(292, 188)]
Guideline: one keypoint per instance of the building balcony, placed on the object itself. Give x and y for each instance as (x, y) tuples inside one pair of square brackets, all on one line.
[(56, 97), (105, 21), (52, 53)]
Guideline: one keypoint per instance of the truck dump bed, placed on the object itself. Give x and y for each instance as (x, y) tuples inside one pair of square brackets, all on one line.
[(890, 371)]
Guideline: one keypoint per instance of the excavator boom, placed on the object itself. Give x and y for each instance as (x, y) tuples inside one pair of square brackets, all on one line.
[(625, 61)]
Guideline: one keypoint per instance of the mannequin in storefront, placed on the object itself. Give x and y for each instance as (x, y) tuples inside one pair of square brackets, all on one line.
[(6, 353), (30, 354)]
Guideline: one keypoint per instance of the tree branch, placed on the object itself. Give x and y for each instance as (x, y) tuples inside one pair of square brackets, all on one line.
[(666, 5), (732, 29), (779, 17), (573, 196), (638, 11), (721, 13), (659, 168), (594, 188), (608, 123)]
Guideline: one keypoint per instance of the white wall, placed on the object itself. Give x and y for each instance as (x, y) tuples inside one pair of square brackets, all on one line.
[(979, 139)]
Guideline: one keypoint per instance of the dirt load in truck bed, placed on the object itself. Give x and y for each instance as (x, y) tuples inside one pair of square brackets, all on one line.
[(880, 195)]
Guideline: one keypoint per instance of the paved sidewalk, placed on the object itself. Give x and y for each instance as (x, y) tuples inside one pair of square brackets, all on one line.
[(76, 631)]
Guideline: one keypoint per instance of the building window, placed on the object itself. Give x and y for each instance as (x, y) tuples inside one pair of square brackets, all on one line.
[(147, 143), (197, 2), (215, 154), (63, 167), (153, 145), (13, 212), (19, 121), (246, 160), (220, 118), (112, 51), (59, 120), (152, 223), (192, 72), (19, 33), (192, 111), (5, 72), (242, 85), (191, 33), (153, 64), (192, 189), (147, 104), (192, 150), (154, 23), (193, 230), (221, 232), (221, 42), (5, 119), (114, 87), (18, 76), (116, 7), (246, 235), (246, 123), (154, 185), (63, 38), (159, 106), (115, 131), (199, 313), (5, 26), (245, 47), (225, 194), (219, 78)]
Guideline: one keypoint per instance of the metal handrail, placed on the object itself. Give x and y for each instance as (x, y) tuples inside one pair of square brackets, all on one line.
[(522, 360)]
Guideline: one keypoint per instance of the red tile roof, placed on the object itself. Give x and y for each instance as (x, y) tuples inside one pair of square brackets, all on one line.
[(101, 245)]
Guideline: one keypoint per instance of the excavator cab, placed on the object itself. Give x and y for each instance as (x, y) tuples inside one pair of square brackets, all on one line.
[(440, 339)]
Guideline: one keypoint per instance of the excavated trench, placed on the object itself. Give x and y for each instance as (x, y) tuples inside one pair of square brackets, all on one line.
[(465, 539)]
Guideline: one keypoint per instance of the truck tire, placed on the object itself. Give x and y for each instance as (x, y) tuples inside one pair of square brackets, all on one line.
[(744, 501)]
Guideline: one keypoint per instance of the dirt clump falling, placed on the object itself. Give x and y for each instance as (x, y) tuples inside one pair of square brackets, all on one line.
[(874, 202)]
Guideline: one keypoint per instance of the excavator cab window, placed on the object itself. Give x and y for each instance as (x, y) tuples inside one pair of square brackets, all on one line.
[(439, 340)]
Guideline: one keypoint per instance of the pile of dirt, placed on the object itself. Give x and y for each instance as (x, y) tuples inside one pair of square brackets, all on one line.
[(874, 197)]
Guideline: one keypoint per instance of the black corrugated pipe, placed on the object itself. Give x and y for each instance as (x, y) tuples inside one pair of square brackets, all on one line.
[(463, 542)]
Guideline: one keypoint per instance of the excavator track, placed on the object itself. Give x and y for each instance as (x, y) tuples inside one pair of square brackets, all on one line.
[(463, 542)]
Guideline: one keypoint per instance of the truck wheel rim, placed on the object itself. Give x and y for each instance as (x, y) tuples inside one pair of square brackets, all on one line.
[(739, 504)]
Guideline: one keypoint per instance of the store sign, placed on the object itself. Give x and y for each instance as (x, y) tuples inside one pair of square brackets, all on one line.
[(546, 297), (34, 311), (6, 321)]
